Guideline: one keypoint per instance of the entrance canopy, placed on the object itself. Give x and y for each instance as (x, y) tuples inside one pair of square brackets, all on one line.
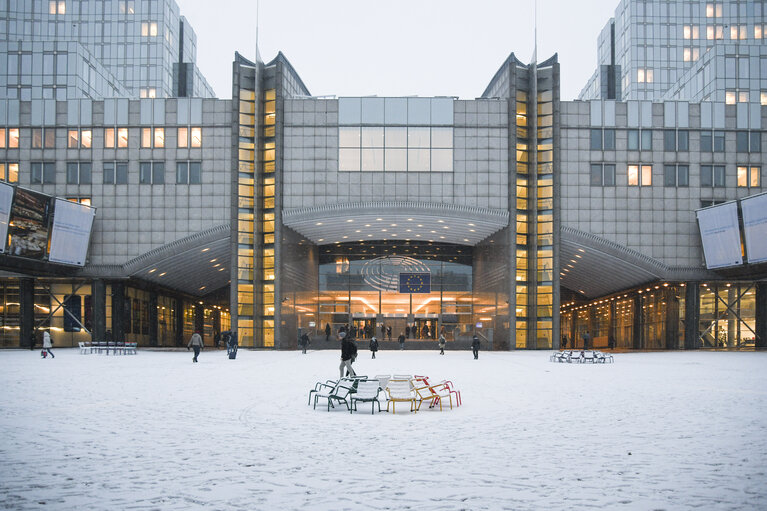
[(361, 221)]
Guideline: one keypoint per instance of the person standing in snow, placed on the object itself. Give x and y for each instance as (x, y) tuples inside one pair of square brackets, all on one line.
[(442, 344), (374, 346), (586, 339), (348, 355), (196, 344), (475, 346), (401, 340), (304, 342), (47, 344)]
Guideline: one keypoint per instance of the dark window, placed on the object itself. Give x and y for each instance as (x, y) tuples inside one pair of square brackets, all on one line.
[(85, 172), (158, 172), (683, 175), (706, 175), (109, 173), (182, 172), (683, 140), (79, 172), (646, 140), (719, 141), (73, 172), (43, 172), (596, 174), (609, 175), (756, 142), (72, 313), (741, 141), (195, 173), (121, 176), (596, 139), (719, 180), (633, 140), (706, 142), (609, 140), (145, 172), (669, 140), (669, 175)]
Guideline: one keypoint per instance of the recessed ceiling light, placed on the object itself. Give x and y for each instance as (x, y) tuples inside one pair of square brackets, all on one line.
[(383, 230), (420, 225), (345, 237), (214, 260), (318, 223), (379, 219), (153, 270), (394, 225), (441, 221), (163, 273), (408, 230), (321, 239), (409, 219), (471, 230), (205, 249), (350, 220), (358, 230)]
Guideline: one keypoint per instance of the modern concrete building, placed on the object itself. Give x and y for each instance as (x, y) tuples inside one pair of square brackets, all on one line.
[(516, 216)]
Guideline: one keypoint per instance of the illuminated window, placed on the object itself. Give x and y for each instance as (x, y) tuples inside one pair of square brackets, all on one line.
[(690, 54), (748, 177), (691, 32), (2, 137), (73, 139), (196, 137), (640, 175), (159, 137), (127, 6), (763, 98), (149, 29), (37, 138), (147, 92), (122, 137), (86, 138), (146, 137), (57, 7), (183, 137), (729, 97), (86, 201), (758, 31), (109, 137), (9, 172), (644, 75)]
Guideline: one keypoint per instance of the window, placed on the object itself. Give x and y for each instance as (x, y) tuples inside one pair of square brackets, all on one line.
[(706, 141), (57, 7), (109, 137), (122, 137), (640, 175), (13, 138), (86, 201), (73, 139), (86, 139), (748, 176), (147, 92), (43, 172), (146, 137), (676, 175), (646, 140), (115, 173), (189, 172), (602, 174), (691, 31), (633, 140), (748, 142), (149, 29), (2, 138), (127, 6), (159, 137), (150, 136), (719, 141), (682, 140), (712, 175), (644, 75), (669, 140), (152, 172), (182, 137), (78, 172), (596, 139), (197, 137), (690, 54), (9, 172)]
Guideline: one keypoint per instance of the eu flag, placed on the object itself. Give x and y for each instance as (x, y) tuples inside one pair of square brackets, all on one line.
[(415, 283)]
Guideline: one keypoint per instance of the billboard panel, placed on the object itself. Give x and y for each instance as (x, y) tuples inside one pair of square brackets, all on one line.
[(720, 235), (28, 224), (72, 223), (6, 198), (755, 227)]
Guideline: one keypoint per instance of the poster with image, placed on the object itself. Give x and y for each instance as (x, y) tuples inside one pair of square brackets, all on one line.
[(28, 224)]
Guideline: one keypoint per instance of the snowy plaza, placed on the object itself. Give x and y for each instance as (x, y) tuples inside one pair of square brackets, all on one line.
[(672, 430)]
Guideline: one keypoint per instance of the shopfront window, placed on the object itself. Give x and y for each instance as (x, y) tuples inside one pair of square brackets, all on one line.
[(727, 315)]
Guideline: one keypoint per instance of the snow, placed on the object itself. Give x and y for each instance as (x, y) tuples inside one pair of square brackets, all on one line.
[(670, 430)]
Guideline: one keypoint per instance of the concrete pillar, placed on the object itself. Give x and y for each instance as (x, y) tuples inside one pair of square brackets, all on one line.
[(119, 304), (761, 315), (638, 319), (153, 319), (179, 319), (27, 313), (199, 318), (99, 300), (691, 315)]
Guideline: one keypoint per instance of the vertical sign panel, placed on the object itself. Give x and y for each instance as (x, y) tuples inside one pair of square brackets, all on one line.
[(755, 227), (72, 223), (720, 235)]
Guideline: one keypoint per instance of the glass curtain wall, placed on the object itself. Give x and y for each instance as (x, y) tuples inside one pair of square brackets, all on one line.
[(545, 220), (265, 326), (727, 315), (522, 220)]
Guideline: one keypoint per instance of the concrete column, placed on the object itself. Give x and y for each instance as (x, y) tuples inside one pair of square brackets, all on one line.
[(199, 318), (119, 304), (691, 315), (672, 319), (761, 315), (27, 313), (99, 300), (638, 341), (179, 320), (153, 319)]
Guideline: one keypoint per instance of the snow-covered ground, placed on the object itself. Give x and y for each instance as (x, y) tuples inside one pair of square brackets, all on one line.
[(154, 431)]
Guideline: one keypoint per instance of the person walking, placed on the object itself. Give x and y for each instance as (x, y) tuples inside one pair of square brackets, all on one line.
[(195, 342), (442, 344), (374, 346), (47, 345), (388, 332), (475, 346), (327, 332), (586, 339), (401, 340), (348, 355), (564, 342), (304, 342)]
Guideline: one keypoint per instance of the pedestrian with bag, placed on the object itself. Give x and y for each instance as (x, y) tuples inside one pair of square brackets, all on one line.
[(442, 344), (47, 345), (195, 342), (374, 346)]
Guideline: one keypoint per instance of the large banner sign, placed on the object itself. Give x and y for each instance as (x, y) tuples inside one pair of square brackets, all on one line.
[(415, 283), (6, 196), (755, 226), (28, 225), (720, 235), (72, 223)]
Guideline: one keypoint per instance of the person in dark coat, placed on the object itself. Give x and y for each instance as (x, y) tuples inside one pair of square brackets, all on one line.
[(401, 340), (304, 342), (586, 339), (348, 355), (217, 339), (442, 342), (383, 331), (407, 331), (374, 346), (425, 332), (564, 342), (388, 332), (327, 332), (475, 346)]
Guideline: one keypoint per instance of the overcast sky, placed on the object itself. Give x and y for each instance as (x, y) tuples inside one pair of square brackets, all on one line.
[(398, 47)]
